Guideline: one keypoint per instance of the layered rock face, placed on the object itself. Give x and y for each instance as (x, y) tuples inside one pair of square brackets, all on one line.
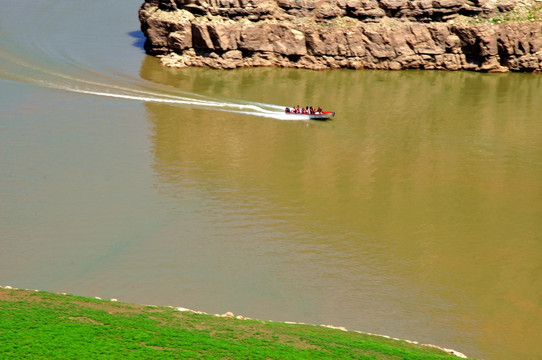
[(320, 34)]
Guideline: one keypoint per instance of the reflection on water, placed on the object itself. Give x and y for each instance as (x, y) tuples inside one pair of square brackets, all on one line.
[(425, 184)]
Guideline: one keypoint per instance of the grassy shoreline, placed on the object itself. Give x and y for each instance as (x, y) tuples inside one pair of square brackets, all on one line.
[(44, 325)]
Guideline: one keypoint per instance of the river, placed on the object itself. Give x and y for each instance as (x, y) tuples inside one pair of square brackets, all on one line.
[(416, 212)]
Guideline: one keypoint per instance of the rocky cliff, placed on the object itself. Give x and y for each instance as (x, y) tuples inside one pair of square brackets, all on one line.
[(480, 35)]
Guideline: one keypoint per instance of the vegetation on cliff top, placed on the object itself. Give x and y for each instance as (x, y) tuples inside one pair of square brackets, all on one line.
[(52, 326), (526, 10)]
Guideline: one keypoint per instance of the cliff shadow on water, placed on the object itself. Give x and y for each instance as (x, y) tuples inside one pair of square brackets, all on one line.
[(139, 39)]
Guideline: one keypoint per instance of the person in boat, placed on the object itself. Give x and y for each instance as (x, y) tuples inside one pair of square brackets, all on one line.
[(307, 110)]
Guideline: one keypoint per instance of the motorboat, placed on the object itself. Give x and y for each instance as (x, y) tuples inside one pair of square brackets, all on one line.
[(321, 115)]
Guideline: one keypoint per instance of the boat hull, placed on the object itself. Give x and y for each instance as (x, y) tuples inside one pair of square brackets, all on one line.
[(323, 116)]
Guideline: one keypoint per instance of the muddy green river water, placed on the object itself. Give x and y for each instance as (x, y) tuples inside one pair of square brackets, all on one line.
[(416, 212)]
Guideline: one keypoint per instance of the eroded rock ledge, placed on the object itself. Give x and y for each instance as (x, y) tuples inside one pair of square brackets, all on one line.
[(479, 35)]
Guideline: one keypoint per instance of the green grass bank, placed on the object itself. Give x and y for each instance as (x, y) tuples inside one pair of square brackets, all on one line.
[(44, 325)]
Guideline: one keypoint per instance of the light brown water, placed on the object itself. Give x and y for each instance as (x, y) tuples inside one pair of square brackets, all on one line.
[(414, 213)]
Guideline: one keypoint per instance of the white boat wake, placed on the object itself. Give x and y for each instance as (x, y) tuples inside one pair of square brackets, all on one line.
[(33, 73), (244, 108)]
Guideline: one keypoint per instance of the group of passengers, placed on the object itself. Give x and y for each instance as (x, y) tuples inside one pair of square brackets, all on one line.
[(306, 110)]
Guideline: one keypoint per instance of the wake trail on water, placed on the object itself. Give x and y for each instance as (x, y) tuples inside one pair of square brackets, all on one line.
[(255, 109), (55, 80)]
